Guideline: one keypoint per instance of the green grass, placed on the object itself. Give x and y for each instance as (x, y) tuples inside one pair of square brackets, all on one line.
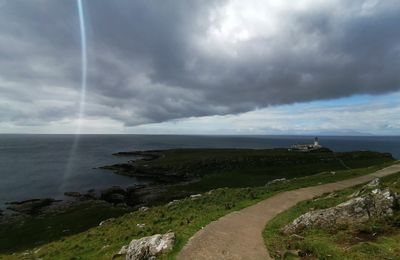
[(184, 218), (375, 239), (260, 165), (235, 168), (218, 168), (34, 231)]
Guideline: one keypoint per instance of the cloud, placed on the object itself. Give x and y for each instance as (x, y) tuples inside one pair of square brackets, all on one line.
[(152, 62), (358, 115)]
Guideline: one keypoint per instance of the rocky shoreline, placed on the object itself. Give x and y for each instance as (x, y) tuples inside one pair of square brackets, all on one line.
[(131, 197), (166, 169), (136, 168)]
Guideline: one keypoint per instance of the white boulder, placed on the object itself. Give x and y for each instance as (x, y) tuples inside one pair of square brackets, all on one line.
[(148, 247), (276, 181), (376, 204), (195, 196)]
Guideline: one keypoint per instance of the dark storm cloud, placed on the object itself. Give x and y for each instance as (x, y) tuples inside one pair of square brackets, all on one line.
[(154, 61)]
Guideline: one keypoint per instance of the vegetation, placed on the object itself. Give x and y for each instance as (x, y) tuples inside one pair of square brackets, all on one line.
[(260, 165), (184, 217), (31, 231), (374, 239), (234, 168)]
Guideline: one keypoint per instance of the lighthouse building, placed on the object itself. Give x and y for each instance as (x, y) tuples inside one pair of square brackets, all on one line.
[(307, 147)]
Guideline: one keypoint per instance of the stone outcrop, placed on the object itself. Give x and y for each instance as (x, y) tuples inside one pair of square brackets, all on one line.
[(366, 188), (171, 203), (106, 221), (374, 204), (143, 209), (114, 194), (30, 207), (119, 195), (372, 184), (73, 194), (195, 196), (140, 225), (276, 181), (148, 247)]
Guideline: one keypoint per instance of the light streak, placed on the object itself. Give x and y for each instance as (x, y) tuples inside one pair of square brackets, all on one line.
[(82, 100), (83, 65)]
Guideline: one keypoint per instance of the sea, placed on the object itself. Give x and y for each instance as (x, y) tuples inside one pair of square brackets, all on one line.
[(41, 166)]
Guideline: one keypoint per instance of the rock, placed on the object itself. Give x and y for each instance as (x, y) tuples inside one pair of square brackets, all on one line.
[(195, 196), (140, 225), (376, 204), (114, 194), (93, 194), (325, 196), (297, 236), (172, 202), (131, 196), (73, 194), (366, 188), (122, 251), (122, 205), (355, 194), (143, 209), (116, 198), (289, 253), (331, 195), (374, 183), (106, 221), (132, 189), (31, 207), (275, 181), (112, 190), (148, 247)]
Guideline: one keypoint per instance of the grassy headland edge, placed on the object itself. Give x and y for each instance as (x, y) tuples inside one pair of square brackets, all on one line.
[(186, 216), (372, 239)]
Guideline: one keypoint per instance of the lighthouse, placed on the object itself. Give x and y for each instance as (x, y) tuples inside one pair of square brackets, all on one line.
[(316, 143), (306, 147)]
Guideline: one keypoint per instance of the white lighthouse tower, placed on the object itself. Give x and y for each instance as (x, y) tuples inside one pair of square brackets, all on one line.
[(316, 143)]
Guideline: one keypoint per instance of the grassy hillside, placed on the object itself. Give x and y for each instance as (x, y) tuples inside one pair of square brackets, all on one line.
[(374, 239), (33, 231), (261, 165), (184, 217), (215, 168)]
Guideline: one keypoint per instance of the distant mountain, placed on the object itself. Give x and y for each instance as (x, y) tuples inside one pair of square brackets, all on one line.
[(339, 132), (342, 133)]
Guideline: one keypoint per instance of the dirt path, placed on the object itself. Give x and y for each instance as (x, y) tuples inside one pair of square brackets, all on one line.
[(238, 235)]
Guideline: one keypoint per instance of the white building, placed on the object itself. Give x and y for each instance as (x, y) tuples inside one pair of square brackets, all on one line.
[(306, 147)]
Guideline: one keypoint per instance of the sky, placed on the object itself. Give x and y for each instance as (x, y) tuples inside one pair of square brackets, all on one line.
[(200, 67)]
